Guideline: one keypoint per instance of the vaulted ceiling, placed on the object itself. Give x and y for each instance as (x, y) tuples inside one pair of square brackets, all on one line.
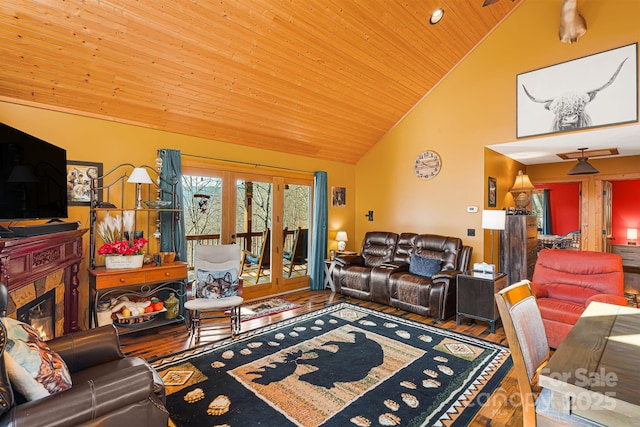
[(320, 78)]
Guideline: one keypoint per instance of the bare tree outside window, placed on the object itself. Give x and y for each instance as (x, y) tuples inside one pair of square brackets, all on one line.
[(254, 210), (202, 204)]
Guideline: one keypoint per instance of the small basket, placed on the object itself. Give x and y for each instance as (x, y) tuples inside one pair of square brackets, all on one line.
[(134, 320)]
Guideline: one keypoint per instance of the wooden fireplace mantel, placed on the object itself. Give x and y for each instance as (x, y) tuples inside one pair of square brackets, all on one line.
[(27, 259)]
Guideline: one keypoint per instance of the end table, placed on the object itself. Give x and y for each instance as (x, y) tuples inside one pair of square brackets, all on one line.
[(476, 296), (329, 266)]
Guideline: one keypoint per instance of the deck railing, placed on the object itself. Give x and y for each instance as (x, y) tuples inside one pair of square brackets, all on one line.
[(250, 241)]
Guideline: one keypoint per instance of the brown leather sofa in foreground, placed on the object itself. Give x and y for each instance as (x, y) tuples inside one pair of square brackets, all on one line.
[(386, 271), (108, 389)]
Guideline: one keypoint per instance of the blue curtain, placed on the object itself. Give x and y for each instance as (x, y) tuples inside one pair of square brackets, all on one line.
[(319, 231), (171, 178), (546, 213)]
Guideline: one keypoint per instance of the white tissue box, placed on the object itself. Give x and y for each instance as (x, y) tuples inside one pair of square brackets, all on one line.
[(484, 267)]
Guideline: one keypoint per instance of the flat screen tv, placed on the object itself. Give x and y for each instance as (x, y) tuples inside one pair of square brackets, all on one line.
[(32, 177)]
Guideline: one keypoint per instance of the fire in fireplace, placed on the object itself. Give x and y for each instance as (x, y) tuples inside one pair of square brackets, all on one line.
[(40, 314)]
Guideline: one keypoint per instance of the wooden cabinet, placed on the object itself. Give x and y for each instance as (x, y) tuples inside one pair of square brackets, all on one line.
[(153, 279), (107, 279), (476, 296), (630, 255), (519, 247)]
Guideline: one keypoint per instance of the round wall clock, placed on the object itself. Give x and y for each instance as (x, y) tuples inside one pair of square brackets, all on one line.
[(427, 165)]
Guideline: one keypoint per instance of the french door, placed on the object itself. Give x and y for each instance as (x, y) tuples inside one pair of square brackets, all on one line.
[(267, 215)]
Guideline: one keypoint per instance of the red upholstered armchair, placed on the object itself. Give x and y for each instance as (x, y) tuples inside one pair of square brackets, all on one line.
[(566, 281)]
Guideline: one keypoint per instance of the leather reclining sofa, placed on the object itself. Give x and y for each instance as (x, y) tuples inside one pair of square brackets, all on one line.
[(381, 272)]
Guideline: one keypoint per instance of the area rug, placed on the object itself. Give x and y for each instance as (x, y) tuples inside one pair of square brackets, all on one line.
[(342, 365), (267, 307)]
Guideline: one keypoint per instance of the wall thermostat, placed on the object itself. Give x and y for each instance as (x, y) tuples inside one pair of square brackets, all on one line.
[(472, 209)]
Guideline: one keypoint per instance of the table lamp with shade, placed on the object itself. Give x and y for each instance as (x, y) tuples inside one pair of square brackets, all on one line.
[(493, 220), (342, 239), (521, 191), (632, 236), (139, 176)]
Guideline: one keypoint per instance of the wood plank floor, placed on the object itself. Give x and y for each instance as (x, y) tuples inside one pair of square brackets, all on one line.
[(501, 409)]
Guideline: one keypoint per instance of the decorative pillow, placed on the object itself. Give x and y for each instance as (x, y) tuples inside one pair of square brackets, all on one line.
[(216, 284), (423, 266), (34, 370)]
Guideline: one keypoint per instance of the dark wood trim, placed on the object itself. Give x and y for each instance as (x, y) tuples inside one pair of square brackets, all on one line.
[(27, 259)]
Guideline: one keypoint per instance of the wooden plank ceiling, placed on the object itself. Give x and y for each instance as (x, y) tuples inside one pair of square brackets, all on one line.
[(319, 78)]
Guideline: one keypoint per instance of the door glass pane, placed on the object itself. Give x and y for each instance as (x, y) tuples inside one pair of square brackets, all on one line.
[(202, 211), (297, 208), (253, 229), (537, 208)]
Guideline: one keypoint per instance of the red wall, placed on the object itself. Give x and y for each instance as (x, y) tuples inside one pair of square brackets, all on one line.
[(565, 207), (625, 208)]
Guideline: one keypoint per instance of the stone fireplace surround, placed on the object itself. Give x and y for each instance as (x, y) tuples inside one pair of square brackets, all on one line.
[(31, 266), (29, 293)]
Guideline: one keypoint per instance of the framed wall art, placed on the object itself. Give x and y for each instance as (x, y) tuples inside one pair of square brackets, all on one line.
[(593, 91), (492, 192), (338, 197), (79, 176)]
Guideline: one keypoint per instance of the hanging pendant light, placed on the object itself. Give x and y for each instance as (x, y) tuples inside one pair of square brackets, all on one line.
[(583, 167)]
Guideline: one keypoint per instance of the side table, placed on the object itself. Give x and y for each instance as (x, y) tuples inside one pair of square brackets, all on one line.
[(329, 266), (476, 296), (339, 253)]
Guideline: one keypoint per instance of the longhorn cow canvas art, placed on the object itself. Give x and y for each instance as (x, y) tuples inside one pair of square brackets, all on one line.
[(593, 91)]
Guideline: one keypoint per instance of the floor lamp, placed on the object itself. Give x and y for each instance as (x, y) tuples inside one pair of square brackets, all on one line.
[(493, 220)]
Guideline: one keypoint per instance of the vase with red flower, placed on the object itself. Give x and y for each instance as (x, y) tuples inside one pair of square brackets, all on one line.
[(123, 253), (119, 249)]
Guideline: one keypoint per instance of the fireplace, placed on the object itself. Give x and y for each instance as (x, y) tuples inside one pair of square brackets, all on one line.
[(43, 302), (31, 267), (41, 315)]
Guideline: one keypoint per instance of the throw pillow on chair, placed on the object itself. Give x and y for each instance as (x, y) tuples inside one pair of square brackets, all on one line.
[(34, 369), (216, 284)]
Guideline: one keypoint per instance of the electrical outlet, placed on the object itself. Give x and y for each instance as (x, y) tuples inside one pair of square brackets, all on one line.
[(471, 232)]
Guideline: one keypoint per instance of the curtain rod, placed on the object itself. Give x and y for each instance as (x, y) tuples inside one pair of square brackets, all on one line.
[(246, 163)]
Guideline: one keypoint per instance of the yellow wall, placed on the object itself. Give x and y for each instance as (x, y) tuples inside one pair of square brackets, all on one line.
[(474, 106), (504, 170), (112, 143)]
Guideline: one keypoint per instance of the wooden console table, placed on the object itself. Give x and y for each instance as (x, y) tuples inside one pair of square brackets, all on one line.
[(140, 282), (23, 260)]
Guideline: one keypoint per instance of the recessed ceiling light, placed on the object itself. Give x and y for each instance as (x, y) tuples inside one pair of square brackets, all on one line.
[(436, 16)]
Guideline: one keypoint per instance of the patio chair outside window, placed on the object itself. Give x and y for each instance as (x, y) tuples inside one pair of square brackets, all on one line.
[(297, 254), (255, 264)]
